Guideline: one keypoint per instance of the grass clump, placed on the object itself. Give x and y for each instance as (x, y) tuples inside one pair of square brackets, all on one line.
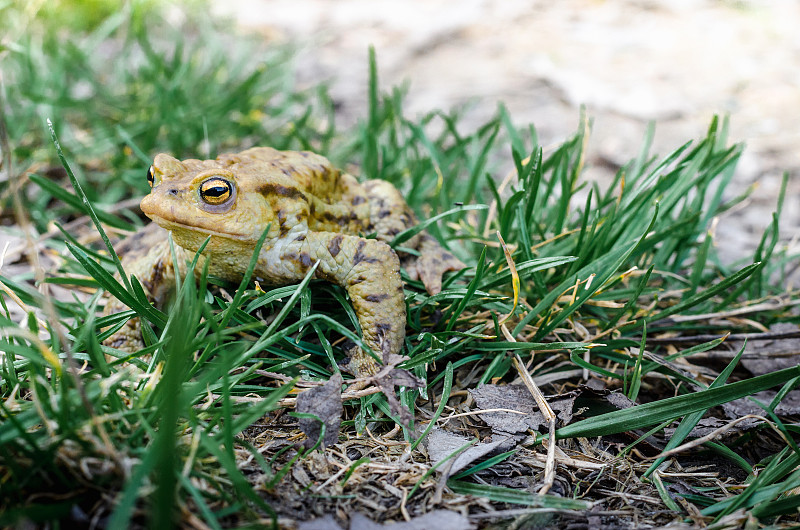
[(600, 288)]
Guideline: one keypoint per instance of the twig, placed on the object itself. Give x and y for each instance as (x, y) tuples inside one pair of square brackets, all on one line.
[(547, 412), (484, 411), (756, 308), (733, 336), (562, 458), (550, 463), (332, 478), (713, 434), (387, 435)]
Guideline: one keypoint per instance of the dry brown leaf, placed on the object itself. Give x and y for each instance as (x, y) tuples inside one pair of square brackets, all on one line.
[(770, 355), (518, 398), (441, 444), (325, 402)]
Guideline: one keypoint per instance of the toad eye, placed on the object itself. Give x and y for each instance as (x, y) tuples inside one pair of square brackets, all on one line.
[(151, 176), (216, 191)]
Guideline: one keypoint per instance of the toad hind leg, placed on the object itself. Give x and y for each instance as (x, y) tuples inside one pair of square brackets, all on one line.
[(432, 263), (390, 215), (370, 272)]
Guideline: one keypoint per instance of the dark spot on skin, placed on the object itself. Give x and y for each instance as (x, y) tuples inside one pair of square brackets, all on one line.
[(334, 245), (156, 276), (304, 154), (366, 259), (322, 275), (312, 208), (340, 220), (305, 260), (384, 213), (286, 224), (361, 257), (358, 279), (301, 237), (358, 199), (376, 298), (281, 191), (381, 331), (393, 231), (282, 222)]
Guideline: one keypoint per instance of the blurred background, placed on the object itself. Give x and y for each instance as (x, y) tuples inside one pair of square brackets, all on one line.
[(629, 62), (674, 63)]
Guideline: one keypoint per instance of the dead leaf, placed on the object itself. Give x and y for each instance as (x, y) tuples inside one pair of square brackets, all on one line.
[(397, 378), (404, 378), (789, 405), (706, 426), (769, 355), (324, 402), (441, 444), (619, 400), (518, 398)]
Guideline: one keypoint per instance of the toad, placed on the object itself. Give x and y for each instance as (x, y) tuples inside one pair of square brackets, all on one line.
[(316, 214)]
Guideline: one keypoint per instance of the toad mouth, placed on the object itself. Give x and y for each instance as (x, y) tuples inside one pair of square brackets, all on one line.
[(170, 225)]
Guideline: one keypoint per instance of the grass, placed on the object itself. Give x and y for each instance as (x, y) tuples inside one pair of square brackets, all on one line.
[(193, 429)]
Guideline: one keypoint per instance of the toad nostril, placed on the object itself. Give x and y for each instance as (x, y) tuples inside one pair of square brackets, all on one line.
[(173, 191)]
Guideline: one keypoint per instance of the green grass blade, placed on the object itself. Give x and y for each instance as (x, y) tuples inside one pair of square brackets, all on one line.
[(651, 413), (87, 206), (691, 420), (515, 496)]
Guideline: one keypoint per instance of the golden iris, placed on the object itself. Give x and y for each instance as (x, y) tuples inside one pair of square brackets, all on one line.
[(151, 176), (216, 191)]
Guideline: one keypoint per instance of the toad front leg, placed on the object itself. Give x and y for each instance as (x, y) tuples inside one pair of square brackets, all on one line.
[(370, 272)]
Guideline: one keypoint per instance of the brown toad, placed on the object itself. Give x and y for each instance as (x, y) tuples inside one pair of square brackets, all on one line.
[(314, 212)]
